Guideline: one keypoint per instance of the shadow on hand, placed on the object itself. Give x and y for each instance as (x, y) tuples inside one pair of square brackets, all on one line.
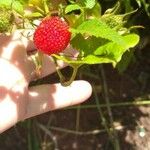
[(20, 62)]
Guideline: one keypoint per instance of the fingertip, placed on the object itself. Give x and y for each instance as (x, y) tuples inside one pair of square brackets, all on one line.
[(74, 94), (84, 88)]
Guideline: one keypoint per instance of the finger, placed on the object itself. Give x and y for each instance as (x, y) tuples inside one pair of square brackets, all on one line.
[(48, 65), (45, 98), (20, 40)]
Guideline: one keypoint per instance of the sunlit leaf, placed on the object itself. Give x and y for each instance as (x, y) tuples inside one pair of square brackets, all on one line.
[(98, 28), (115, 50), (72, 7)]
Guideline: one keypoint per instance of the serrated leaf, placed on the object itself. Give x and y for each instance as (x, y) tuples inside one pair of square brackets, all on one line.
[(71, 8), (98, 28), (107, 53), (87, 45), (114, 50), (79, 43)]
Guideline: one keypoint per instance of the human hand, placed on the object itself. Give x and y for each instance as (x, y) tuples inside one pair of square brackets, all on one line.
[(18, 101)]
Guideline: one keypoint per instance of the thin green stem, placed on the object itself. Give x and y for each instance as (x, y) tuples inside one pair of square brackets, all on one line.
[(78, 118), (105, 88), (104, 121), (67, 83), (94, 132), (61, 76), (135, 103), (38, 61)]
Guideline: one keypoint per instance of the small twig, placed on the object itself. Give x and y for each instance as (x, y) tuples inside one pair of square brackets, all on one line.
[(136, 103), (94, 132), (61, 76), (78, 118), (48, 132), (73, 76), (104, 121), (115, 136)]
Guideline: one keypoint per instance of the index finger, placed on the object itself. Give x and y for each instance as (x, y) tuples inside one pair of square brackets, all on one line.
[(9, 43)]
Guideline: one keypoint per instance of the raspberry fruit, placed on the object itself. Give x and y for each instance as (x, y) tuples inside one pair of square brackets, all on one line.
[(52, 35)]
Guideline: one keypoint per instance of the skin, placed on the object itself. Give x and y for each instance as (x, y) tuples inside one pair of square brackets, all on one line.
[(18, 101)]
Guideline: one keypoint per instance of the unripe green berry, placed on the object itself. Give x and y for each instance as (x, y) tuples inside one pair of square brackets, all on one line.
[(6, 19)]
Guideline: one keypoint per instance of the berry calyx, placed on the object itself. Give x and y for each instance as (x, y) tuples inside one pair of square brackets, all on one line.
[(52, 36)]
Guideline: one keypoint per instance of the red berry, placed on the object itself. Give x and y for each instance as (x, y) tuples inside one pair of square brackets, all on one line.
[(52, 35)]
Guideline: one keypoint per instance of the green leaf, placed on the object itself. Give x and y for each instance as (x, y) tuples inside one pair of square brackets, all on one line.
[(23, 1), (98, 28), (6, 3), (71, 8), (131, 40), (95, 11), (87, 45), (126, 59), (114, 50), (90, 59), (108, 52), (13, 4), (34, 15), (79, 43), (89, 3), (18, 7)]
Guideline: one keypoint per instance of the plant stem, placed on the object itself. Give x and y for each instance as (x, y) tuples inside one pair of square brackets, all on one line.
[(104, 121), (48, 132), (136, 103), (78, 118), (61, 76), (115, 136), (38, 61), (67, 83), (94, 132)]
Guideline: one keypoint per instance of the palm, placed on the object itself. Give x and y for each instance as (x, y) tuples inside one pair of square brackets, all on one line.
[(17, 100)]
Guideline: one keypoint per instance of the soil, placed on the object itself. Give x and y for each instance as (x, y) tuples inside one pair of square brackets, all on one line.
[(132, 122)]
